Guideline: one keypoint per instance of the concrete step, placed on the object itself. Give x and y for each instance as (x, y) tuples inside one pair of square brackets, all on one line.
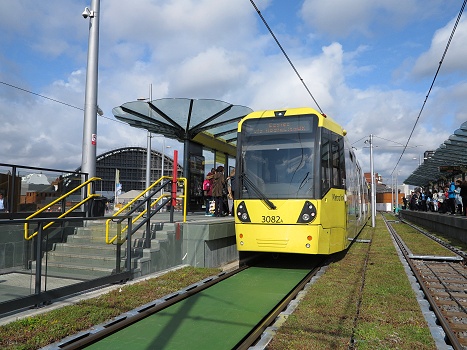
[(90, 231), (86, 240), (82, 260), (85, 255), (87, 249), (75, 271), (66, 270)]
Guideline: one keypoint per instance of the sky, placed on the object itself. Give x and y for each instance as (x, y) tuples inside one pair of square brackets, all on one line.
[(368, 63)]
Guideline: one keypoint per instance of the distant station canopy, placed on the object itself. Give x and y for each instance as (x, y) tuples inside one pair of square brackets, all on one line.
[(211, 123), (448, 160)]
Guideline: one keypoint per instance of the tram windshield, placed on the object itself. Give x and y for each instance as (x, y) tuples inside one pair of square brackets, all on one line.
[(277, 158)]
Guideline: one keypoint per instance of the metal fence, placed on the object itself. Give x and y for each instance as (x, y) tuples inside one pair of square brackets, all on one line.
[(67, 258)]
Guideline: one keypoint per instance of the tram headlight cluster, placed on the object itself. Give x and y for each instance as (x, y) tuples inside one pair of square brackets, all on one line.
[(308, 213), (242, 213)]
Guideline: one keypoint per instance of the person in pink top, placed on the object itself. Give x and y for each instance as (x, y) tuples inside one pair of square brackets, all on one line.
[(207, 191)]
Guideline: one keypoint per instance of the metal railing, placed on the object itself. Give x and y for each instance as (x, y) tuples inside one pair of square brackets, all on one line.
[(89, 196), (151, 206), (39, 274)]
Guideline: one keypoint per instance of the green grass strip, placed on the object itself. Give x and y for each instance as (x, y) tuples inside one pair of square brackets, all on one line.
[(41, 330), (420, 244), (389, 315)]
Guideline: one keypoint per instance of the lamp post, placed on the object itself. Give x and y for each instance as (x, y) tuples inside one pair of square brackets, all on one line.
[(163, 155), (148, 152), (148, 142), (419, 159), (373, 189), (148, 160), (163, 159), (397, 191)]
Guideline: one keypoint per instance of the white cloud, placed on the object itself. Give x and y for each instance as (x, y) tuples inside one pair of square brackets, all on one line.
[(209, 74), (339, 18), (220, 49), (454, 61)]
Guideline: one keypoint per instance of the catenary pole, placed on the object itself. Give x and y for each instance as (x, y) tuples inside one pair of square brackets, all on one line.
[(148, 149), (373, 189), (88, 163)]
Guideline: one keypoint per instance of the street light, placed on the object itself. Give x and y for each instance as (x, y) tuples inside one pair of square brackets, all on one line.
[(163, 154), (148, 143), (373, 186), (397, 189), (419, 159)]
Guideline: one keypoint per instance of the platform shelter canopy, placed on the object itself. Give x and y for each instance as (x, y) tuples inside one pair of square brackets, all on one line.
[(448, 160), (212, 123)]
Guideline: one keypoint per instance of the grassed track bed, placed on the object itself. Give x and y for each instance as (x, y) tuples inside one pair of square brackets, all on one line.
[(418, 243), (38, 331), (385, 316), (216, 318), (362, 306)]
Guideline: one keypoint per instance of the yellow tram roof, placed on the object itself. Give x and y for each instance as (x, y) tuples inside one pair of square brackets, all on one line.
[(323, 120)]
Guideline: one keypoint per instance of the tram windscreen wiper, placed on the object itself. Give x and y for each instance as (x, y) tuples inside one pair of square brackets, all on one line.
[(261, 195), (304, 180)]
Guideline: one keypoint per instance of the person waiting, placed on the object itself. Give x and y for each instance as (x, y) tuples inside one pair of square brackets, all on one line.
[(217, 190)]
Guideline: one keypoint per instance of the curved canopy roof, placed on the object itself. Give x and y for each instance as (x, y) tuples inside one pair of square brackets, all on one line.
[(212, 123), (448, 160)]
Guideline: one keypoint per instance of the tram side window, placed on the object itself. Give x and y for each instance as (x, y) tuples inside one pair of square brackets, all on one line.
[(332, 161), (325, 161)]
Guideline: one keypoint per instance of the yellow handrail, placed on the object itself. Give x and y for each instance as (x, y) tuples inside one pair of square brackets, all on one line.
[(109, 240), (59, 199)]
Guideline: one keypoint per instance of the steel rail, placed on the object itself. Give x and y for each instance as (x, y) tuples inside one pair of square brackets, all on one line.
[(436, 239), (453, 339), (84, 339)]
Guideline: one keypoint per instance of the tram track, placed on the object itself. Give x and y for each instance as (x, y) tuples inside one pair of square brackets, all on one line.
[(443, 281), (238, 306)]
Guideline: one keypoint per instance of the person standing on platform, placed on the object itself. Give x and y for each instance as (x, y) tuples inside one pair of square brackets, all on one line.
[(217, 186), (3, 204), (230, 190), (207, 191), (451, 198), (464, 197), (458, 199), (442, 200), (435, 201)]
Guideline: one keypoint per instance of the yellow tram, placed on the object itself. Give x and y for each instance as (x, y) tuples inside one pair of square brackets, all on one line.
[(299, 187)]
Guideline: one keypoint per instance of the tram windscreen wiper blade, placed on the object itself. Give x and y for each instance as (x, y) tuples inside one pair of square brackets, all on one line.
[(303, 181), (261, 195)]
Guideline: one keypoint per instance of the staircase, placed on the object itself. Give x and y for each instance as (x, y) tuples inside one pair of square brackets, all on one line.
[(85, 255)]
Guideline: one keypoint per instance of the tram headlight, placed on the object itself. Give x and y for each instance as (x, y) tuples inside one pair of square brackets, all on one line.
[(242, 213), (308, 213)]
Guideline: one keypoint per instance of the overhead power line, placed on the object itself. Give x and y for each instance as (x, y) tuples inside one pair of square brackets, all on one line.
[(57, 101), (34, 93), (285, 54), (433, 82)]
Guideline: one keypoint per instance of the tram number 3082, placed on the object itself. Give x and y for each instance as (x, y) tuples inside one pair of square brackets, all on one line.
[(271, 219)]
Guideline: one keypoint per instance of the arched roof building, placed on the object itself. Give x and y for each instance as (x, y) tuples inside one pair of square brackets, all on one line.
[(131, 163)]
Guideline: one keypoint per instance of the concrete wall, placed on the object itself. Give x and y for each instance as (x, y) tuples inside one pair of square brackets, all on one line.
[(208, 244), (199, 244), (449, 225)]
